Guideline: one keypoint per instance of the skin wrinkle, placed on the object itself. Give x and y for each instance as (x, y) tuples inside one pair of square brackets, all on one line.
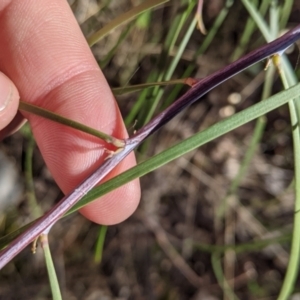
[(58, 76), (68, 75), (80, 114), (74, 146), (12, 19), (57, 83)]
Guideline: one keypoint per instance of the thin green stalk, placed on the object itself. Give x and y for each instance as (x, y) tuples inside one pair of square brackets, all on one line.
[(70, 123), (274, 20), (255, 245), (139, 103), (177, 27), (261, 24), (142, 86), (154, 75), (56, 294), (217, 268), (248, 31), (294, 106), (167, 76), (100, 244), (35, 209), (215, 27), (180, 50), (285, 12), (293, 265), (206, 43), (157, 93)]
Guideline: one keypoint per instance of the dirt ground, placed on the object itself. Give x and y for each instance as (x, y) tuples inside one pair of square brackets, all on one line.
[(171, 247)]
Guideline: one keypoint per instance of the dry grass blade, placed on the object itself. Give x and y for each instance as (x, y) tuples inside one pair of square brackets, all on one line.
[(122, 19)]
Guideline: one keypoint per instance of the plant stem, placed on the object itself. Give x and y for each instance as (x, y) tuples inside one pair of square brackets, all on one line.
[(56, 294), (67, 122)]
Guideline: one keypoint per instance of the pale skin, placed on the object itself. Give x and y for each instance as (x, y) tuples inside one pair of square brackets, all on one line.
[(44, 54)]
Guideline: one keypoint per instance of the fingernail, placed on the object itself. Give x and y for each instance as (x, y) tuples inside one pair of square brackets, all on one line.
[(6, 90)]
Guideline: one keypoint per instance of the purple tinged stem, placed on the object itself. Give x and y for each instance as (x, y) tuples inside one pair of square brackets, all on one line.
[(193, 94)]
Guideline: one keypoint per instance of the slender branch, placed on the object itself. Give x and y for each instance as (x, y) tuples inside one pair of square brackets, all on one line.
[(199, 89), (42, 112)]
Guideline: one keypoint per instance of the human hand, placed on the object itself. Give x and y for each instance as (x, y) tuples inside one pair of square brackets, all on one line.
[(9, 101), (44, 53)]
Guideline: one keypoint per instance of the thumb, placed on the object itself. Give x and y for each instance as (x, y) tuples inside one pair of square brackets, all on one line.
[(9, 100)]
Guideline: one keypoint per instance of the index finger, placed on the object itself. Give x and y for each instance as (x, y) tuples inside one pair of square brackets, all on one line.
[(44, 52)]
